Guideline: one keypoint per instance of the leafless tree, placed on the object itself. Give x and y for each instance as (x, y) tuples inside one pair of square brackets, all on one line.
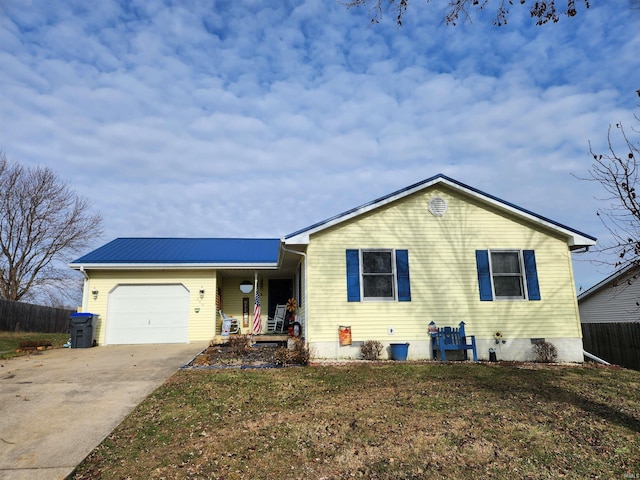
[(542, 11), (43, 222), (617, 172)]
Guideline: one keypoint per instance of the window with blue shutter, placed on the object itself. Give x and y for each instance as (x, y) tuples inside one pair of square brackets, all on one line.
[(503, 274), (378, 275)]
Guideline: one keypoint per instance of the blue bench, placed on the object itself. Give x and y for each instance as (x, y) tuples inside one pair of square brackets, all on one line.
[(451, 338)]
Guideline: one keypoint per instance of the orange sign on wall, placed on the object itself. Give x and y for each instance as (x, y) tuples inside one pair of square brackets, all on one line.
[(345, 335)]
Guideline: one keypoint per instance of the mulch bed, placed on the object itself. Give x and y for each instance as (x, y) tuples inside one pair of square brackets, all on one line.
[(227, 356)]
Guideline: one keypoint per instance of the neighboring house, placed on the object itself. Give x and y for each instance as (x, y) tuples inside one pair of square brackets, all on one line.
[(613, 300), (438, 251)]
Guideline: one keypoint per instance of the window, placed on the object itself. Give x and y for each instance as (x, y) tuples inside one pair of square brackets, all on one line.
[(378, 275), (507, 274)]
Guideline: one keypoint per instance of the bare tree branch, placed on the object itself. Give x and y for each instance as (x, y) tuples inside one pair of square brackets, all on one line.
[(42, 222), (618, 173), (542, 11)]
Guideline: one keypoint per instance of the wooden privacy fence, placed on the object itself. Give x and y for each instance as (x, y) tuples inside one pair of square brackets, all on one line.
[(617, 343), (25, 317)]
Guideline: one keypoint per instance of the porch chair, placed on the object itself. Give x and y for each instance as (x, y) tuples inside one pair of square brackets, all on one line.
[(229, 325), (276, 323)]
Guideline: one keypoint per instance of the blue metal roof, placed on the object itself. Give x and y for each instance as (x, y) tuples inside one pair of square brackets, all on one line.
[(250, 251), (426, 182)]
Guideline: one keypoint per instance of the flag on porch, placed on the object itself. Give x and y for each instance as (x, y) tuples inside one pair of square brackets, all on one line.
[(257, 319)]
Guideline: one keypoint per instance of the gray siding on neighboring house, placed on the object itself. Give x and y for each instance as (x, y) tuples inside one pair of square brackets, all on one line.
[(613, 300)]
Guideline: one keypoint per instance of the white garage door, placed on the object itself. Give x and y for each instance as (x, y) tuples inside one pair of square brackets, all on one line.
[(147, 314)]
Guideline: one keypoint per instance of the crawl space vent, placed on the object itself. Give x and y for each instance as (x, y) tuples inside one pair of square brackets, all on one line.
[(438, 206)]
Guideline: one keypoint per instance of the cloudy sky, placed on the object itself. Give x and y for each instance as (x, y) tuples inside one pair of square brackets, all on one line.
[(257, 118)]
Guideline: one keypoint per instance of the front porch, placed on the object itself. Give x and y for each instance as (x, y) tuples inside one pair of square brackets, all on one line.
[(240, 292)]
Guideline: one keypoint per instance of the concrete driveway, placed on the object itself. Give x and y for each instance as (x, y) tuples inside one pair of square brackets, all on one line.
[(57, 406)]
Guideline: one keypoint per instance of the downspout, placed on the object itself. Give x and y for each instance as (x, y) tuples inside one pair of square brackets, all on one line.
[(85, 289), (306, 286), (593, 357)]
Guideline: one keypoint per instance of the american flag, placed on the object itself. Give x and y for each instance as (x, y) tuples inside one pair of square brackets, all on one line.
[(257, 319)]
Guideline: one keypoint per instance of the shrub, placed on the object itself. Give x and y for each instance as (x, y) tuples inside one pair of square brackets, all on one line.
[(371, 350), (545, 352), (238, 344), (298, 355)]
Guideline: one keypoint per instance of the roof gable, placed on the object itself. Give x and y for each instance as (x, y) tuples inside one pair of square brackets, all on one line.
[(219, 252), (576, 239), (627, 273)]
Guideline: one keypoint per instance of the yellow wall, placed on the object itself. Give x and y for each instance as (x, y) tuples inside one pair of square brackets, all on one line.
[(232, 301), (443, 276), (201, 324)]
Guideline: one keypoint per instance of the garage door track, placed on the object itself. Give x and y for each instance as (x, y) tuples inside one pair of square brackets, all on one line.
[(57, 406)]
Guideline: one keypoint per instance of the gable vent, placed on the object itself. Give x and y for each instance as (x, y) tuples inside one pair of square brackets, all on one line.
[(438, 206)]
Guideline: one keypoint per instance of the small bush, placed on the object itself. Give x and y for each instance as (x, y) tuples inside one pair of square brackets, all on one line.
[(299, 355), (545, 352), (371, 350), (238, 344)]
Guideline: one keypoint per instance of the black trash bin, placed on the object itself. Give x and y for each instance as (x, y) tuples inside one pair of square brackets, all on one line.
[(81, 330)]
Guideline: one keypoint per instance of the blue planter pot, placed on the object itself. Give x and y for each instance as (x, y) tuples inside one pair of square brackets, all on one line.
[(399, 351)]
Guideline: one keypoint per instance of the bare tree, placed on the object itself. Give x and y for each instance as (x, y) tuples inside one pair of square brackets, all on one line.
[(543, 11), (617, 172), (43, 222)]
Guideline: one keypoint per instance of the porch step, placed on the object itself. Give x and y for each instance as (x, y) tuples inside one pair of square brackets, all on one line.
[(277, 338), (270, 338)]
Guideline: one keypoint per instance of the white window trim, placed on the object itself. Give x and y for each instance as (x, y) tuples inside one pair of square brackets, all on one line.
[(393, 274), (523, 275)]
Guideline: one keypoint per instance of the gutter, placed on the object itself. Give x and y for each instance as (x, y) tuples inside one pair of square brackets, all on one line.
[(593, 357)]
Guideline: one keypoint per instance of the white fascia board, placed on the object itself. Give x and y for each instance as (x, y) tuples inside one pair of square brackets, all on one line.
[(173, 266), (574, 240), (303, 237)]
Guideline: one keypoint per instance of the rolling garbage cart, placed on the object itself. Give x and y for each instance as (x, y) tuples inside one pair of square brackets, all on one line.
[(81, 330)]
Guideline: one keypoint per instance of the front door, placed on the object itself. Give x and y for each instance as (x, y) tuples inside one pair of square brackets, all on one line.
[(280, 291)]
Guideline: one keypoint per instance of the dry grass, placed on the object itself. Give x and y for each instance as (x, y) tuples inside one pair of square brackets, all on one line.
[(11, 341), (381, 420)]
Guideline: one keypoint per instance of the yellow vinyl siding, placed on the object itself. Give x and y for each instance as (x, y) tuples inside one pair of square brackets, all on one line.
[(443, 275), (232, 301), (201, 323)]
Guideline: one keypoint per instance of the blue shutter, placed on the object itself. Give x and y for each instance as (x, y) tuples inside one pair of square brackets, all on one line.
[(353, 275), (402, 270), (533, 288), (484, 275)]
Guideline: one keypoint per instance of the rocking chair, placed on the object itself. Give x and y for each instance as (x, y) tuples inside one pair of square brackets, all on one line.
[(276, 323), (229, 325)]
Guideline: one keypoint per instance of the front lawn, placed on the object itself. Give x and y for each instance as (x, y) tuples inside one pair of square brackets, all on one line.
[(10, 341), (381, 421)]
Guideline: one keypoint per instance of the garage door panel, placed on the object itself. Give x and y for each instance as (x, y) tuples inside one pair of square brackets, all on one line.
[(147, 314)]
